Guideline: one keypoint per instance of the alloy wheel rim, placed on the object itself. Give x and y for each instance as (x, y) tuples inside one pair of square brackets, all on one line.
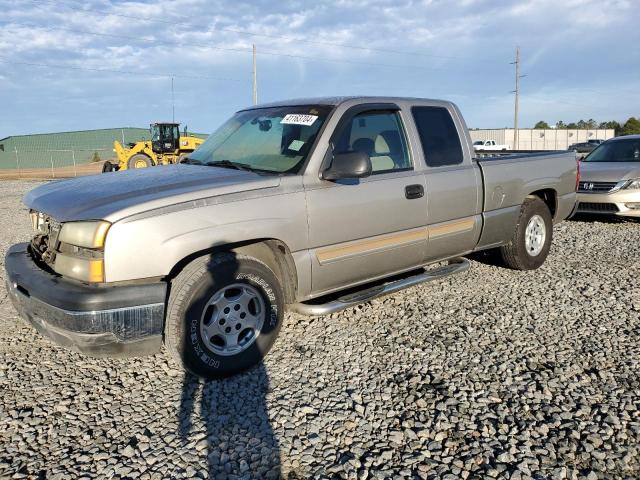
[(535, 235), (232, 319)]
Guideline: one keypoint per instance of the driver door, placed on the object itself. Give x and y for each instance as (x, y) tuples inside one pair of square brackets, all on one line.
[(375, 226)]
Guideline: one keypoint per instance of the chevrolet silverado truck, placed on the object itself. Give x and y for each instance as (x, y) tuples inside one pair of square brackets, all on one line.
[(313, 205)]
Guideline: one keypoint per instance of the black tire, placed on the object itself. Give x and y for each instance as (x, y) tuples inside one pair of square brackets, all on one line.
[(515, 254), (138, 159), (183, 157), (190, 294), (107, 167)]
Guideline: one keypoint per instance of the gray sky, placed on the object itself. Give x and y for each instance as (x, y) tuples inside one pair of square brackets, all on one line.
[(581, 58)]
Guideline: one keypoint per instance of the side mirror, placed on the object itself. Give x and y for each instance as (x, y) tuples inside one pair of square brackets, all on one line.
[(348, 165)]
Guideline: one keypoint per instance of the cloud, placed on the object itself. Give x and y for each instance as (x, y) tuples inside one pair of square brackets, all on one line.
[(458, 49)]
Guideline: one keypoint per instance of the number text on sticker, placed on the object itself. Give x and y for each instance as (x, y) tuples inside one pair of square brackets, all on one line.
[(299, 119)]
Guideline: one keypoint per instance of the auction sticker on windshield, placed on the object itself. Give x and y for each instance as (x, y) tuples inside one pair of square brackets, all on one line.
[(299, 119)]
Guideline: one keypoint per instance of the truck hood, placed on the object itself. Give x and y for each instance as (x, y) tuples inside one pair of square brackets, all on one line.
[(118, 195), (609, 171)]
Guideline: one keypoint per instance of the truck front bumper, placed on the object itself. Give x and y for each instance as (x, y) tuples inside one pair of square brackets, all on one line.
[(98, 320)]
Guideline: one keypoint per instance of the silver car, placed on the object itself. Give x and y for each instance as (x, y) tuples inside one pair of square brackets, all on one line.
[(610, 178)]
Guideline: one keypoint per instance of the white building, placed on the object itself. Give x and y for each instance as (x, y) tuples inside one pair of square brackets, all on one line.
[(541, 139)]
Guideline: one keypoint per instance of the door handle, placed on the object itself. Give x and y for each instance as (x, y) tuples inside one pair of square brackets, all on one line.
[(414, 191)]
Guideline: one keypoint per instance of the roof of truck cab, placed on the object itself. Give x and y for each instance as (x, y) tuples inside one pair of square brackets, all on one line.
[(335, 101)]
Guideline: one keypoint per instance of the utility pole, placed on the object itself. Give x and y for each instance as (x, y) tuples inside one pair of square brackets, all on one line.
[(173, 104), (255, 77), (517, 92)]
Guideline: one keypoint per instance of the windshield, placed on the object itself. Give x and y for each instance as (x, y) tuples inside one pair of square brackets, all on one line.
[(275, 140), (616, 151)]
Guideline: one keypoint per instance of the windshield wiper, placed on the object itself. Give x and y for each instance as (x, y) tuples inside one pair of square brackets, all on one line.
[(237, 166), (229, 164), (188, 161)]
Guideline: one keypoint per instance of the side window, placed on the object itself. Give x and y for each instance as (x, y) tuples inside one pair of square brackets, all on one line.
[(438, 135), (381, 136)]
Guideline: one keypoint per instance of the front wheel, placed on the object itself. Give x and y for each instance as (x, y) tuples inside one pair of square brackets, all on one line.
[(139, 160), (224, 314), (531, 240)]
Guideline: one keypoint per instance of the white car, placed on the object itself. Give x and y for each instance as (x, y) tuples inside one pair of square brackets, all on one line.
[(488, 145)]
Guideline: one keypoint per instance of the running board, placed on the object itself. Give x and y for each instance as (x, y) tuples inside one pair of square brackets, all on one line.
[(455, 265)]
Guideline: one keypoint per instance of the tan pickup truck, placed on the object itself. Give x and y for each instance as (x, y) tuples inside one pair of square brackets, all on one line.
[(312, 204)]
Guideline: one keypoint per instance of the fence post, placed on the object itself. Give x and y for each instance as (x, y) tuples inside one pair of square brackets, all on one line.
[(73, 156), (53, 175), (15, 149)]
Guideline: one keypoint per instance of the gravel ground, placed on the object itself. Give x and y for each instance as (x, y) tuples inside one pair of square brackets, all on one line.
[(492, 373)]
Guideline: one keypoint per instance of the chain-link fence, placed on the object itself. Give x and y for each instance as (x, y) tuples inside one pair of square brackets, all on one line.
[(50, 163)]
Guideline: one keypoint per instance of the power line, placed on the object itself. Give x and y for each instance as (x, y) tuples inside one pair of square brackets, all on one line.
[(554, 101), (109, 70), (253, 34), (214, 47)]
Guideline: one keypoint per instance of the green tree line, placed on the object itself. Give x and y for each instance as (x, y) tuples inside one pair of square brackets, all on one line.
[(630, 127)]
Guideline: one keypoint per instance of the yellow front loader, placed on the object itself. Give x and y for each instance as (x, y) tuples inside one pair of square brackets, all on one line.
[(165, 147)]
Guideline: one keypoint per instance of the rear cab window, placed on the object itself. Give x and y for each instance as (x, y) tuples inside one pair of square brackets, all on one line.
[(438, 135)]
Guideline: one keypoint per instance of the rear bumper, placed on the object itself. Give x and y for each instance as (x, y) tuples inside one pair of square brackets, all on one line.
[(617, 203), (95, 320)]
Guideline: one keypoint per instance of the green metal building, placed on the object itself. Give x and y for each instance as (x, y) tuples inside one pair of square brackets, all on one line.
[(52, 150)]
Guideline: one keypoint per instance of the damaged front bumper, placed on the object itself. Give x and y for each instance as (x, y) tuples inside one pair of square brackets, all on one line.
[(98, 320)]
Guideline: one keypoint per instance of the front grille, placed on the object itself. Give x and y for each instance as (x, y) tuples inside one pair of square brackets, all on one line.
[(596, 187), (45, 240), (597, 207)]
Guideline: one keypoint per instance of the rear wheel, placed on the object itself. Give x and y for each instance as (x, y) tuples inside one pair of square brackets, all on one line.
[(224, 314), (531, 240), (139, 161)]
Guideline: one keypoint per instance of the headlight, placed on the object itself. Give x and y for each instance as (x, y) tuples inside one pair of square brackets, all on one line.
[(633, 185), (84, 234), (80, 253), (84, 269)]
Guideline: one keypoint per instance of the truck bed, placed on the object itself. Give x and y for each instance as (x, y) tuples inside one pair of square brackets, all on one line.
[(509, 179)]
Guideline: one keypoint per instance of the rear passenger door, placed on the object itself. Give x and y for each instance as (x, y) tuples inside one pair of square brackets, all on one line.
[(453, 183), (375, 226)]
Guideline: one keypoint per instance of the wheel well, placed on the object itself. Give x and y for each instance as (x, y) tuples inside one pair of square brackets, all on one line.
[(549, 197), (274, 253)]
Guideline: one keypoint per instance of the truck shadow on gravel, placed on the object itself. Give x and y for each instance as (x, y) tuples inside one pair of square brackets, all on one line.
[(487, 257), (228, 418)]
